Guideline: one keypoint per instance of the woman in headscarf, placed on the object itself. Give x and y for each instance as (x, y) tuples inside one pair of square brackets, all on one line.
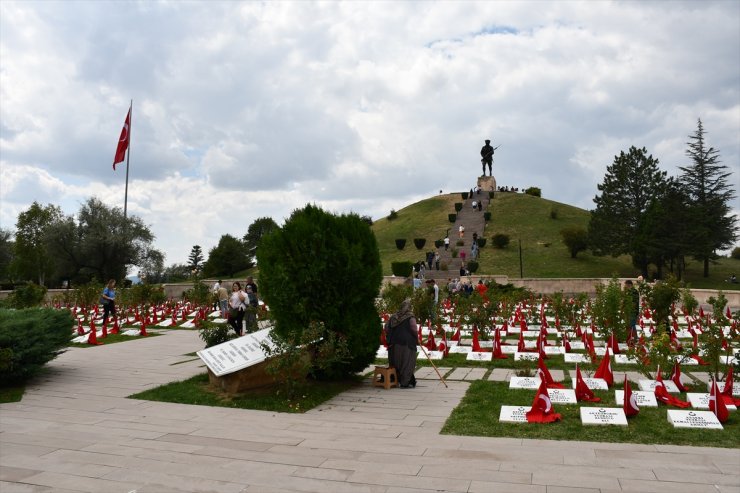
[(402, 338)]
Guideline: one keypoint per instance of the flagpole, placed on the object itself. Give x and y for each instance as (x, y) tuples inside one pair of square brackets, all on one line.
[(128, 157)]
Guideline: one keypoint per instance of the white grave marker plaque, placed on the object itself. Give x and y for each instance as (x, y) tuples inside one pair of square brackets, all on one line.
[(554, 350), (236, 354), (593, 383), (576, 358), (701, 401), (524, 383), (649, 385), (382, 353), (703, 420), (576, 345), (460, 349), (562, 396), (526, 356), (721, 385), (436, 355), (507, 349), (644, 399), (513, 414), (603, 416), (623, 359), (479, 356)]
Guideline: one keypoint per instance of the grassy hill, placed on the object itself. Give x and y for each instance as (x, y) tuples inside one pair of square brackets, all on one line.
[(526, 218)]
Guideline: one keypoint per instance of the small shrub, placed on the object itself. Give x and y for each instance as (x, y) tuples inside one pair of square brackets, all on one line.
[(402, 269), (214, 334), (487, 215), (30, 338), (481, 242), (199, 294), (464, 195), (500, 240), (400, 243), (553, 213), (576, 239), (458, 206), (460, 242), (490, 194), (454, 252), (534, 191), (472, 266), (419, 243), (735, 253), (27, 296), (393, 215), (452, 217), (439, 243)]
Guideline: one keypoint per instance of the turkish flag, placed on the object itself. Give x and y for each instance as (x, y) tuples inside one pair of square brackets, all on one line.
[(497, 353), (123, 141), (676, 377), (583, 393), (717, 403), (566, 342), (613, 344), (545, 375), (541, 411), (662, 395), (727, 389), (605, 369), (630, 401)]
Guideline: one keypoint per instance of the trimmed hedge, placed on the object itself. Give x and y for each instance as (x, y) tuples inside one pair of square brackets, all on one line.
[(500, 240), (419, 243), (402, 269), (452, 217), (29, 339), (439, 243), (472, 266), (400, 243), (534, 191), (458, 206), (464, 195), (481, 242), (487, 215)]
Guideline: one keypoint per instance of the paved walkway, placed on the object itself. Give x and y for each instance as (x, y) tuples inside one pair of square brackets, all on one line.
[(75, 431)]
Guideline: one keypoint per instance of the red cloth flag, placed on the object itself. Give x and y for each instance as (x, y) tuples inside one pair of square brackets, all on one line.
[(662, 395), (497, 353), (605, 369), (676, 377), (456, 335), (613, 344), (541, 411), (123, 141), (431, 343), (521, 347), (476, 342), (630, 401), (717, 403), (727, 389), (566, 342), (544, 374), (583, 393), (541, 341)]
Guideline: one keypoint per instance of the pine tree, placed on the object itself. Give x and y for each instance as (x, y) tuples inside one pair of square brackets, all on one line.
[(619, 223), (195, 258), (712, 227)]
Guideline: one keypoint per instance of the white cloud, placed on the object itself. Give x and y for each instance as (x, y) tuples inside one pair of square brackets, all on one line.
[(250, 109)]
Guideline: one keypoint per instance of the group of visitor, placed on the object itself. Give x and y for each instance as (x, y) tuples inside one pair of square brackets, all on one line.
[(507, 189), (240, 306)]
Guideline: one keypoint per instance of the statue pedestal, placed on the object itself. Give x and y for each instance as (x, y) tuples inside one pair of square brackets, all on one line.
[(487, 183)]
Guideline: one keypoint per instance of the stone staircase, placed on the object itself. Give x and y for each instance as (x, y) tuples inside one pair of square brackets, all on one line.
[(473, 222)]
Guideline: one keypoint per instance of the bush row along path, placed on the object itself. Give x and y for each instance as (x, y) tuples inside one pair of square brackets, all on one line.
[(75, 431)]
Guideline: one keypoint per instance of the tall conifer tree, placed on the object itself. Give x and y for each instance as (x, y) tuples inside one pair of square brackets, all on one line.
[(712, 226)]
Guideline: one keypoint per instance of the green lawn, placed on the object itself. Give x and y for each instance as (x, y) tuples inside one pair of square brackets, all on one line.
[(477, 415), (197, 391), (12, 394), (526, 218)]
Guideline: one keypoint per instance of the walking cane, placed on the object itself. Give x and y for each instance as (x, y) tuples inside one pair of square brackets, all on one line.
[(441, 378)]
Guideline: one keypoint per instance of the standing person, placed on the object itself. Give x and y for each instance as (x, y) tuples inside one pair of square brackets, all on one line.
[(214, 291), (250, 312), (461, 230), (401, 334), (434, 295), (430, 259), (634, 308), (108, 299), (447, 243), (474, 251), (422, 269), (223, 301), (462, 256), (250, 284), (486, 154), (416, 282), (475, 236), (236, 307), (436, 260)]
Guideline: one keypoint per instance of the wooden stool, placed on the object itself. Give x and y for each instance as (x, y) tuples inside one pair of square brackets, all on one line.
[(388, 377)]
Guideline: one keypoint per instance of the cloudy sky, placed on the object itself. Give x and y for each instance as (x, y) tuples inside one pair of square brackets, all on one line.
[(251, 109)]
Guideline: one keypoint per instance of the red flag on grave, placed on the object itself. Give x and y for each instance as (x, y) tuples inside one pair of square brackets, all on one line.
[(476, 341), (676, 377), (456, 335), (630, 400), (544, 374), (541, 411), (566, 342), (497, 352), (123, 141), (613, 344), (605, 369), (431, 344), (727, 389), (521, 347), (717, 403), (662, 395), (583, 393)]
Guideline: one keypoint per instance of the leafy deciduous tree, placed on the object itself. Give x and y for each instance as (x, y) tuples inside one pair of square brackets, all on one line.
[(33, 258), (256, 231), (576, 239), (227, 258)]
